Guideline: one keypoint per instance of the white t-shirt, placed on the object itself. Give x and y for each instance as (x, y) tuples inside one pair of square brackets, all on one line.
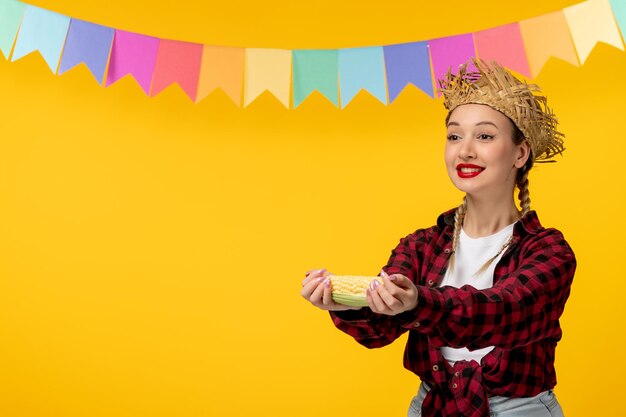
[(471, 254)]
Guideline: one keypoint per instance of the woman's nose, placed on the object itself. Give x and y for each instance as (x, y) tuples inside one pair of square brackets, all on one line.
[(467, 149)]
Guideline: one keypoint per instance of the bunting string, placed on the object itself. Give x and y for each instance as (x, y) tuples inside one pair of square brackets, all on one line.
[(244, 74)]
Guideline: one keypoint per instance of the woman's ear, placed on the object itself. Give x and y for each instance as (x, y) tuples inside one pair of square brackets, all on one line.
[(523, 153)]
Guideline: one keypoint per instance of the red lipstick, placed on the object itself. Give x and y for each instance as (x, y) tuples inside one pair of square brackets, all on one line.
[(475, 170)]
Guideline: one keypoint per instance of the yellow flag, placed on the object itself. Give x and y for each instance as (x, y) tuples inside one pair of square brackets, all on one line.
[(591, 22), (267, 69), (546, 36)]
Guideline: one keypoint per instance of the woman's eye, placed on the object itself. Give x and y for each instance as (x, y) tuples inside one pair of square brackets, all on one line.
[(452, 137), (486, 136)]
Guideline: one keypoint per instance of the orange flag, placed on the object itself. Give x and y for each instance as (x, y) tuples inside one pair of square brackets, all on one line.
[(222, 66), (547, 36)]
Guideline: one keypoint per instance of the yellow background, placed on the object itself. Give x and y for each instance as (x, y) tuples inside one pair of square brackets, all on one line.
[(151, 249)]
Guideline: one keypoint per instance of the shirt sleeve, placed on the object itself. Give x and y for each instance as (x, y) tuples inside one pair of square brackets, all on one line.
[(522, 307), (375, 330)]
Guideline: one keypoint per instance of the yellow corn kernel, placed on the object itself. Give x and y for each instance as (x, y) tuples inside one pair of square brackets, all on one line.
[(350, 289)]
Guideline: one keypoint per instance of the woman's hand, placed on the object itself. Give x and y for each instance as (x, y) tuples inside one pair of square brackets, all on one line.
[(316, 289), (396, 295)]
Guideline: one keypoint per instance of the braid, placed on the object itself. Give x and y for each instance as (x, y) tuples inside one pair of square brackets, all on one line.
[(458, 223), (524, 195), (489, 261)]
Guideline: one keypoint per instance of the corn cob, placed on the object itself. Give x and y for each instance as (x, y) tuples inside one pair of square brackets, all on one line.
[(350, 289)]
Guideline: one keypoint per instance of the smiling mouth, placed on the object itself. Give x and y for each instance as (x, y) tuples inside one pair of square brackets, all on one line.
[(469, 172)]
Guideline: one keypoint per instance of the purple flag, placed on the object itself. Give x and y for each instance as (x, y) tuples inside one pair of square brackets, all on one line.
[(408, 63), (88, 43), (451, 52), (133, 54)]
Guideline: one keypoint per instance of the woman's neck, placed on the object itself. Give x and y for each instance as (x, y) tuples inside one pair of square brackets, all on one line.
[(486, 217)]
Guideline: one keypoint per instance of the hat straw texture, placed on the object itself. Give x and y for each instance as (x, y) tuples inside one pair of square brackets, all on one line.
[(523, 103)]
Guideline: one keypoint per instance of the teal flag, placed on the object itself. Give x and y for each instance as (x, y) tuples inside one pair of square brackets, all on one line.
[(44, 31), (362, 68), (315, 70), (11, 13)]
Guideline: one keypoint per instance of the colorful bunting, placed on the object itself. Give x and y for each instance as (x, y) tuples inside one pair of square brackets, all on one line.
[(245, 73), (315, 70), (88, 43), (547, 36), (408, 63), (362, 68), (44, 31), (11, 13), (591, 22), (503, 44), (177, 62), (267, 69)]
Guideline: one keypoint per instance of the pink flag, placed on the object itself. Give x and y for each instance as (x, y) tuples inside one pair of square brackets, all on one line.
[(450, 53), (133, 54), (177, 62), (503, 44)]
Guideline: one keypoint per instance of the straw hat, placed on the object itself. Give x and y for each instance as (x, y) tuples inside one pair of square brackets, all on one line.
[(496, 87)]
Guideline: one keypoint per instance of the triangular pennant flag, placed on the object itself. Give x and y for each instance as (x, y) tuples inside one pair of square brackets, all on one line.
[(133, 54), (44, 31), (177, 62), (267, 69), (11, 13), (408, 63), (88, 43), (591, 22), (547, 36), (222, 66), (315, 70), (619, 11), (449, 53), (362, 68), (503, 44)]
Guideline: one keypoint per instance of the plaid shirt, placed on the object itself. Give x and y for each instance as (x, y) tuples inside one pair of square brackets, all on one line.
[(519, 315)]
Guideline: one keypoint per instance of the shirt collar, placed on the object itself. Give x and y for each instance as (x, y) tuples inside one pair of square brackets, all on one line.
[(528, 224)]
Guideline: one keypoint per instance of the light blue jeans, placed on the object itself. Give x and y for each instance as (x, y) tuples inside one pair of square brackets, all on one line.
[(544, 404)]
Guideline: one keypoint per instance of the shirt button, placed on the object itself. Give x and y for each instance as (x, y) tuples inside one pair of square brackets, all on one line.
[(457, 374), (435, 368), (447, 250), (431, 282), (454, 385), (416, 324)]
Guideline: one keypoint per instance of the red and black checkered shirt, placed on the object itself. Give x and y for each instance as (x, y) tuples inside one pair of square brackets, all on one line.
[(519, 315)]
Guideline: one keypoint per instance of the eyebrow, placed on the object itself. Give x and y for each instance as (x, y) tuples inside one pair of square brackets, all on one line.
[(477, 124)]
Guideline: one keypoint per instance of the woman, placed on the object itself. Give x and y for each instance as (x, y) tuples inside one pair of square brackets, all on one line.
[(480, 292)]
